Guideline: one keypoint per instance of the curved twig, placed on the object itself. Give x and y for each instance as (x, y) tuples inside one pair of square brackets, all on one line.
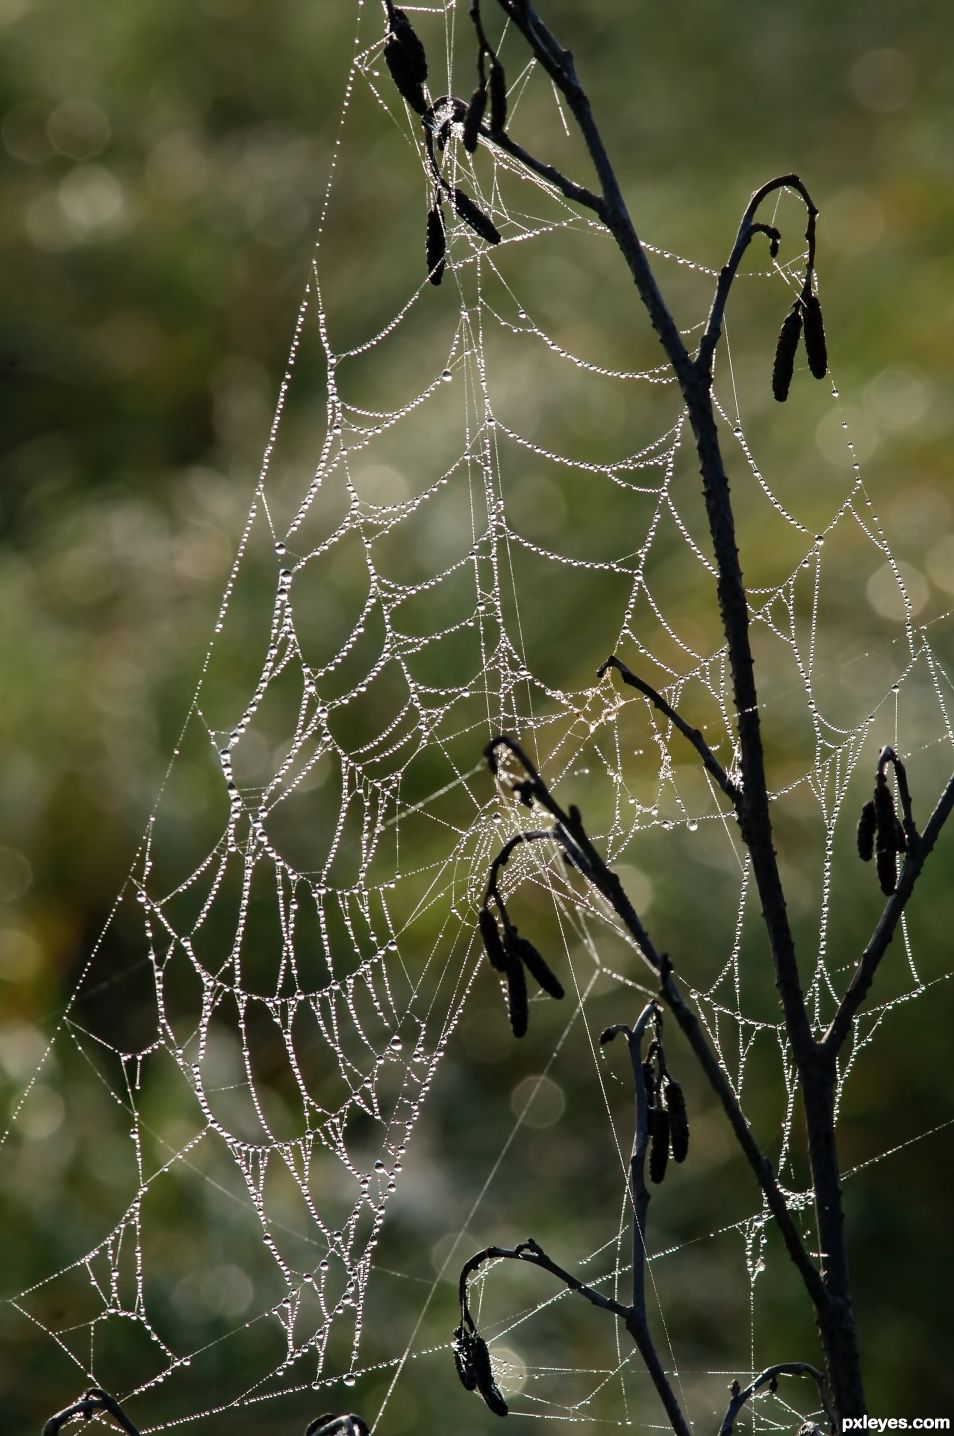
[(693, 735), (747, 231), (95, 1399), (769, 1377)]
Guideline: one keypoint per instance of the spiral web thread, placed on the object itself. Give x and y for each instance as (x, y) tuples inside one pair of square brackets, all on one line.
[(312, 956)]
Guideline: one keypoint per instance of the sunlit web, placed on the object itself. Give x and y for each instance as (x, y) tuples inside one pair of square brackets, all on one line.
[(463, 508)]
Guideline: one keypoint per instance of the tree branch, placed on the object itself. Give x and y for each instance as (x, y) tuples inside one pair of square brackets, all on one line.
[(815, 1074), (693, 735), (570, 832), (558, 64)]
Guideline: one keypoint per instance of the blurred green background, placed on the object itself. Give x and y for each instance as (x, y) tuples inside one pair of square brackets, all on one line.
[(163, 166)]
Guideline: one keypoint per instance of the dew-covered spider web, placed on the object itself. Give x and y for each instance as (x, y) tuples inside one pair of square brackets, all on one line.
[(296, 1104)]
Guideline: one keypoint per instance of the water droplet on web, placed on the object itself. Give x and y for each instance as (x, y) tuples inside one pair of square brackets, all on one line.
[(447, 376), (350, 1379), (395, 1044)]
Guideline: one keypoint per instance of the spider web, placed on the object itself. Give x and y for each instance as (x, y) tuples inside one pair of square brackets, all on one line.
[(500, 491)]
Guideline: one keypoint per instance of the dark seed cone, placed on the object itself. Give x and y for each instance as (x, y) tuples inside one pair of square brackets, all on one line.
[(815, 347), (436, 246), (473, 117), (658, 1144), (478, 1360), (866, 832), (517, 995), (479, 222), (784, 366), (462, 1359), (405, 58), (498, 98), (537, 966), (651, 1082), (886, 819), (887, 870), (493, 946), (678, 1121)]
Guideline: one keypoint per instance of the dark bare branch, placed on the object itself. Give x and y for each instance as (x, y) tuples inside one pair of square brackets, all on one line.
[(572, 834), (769, 1377), (693, 735), (95, 1399)]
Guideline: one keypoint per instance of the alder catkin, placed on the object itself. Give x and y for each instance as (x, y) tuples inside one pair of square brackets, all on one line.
[(436, 247), (473, 117), (784, 365), (886, 820), (536, 965), (493, 946), (405, 58), (815, 347), (479, 1361), (463, 1345), (678, 1121), (650, 1081), (866, 832), (498, 98), (479, 222), (517, 995), (658, 1144), (887, 870)]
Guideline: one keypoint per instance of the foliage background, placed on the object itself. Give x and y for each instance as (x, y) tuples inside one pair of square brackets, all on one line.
[(162, 167)]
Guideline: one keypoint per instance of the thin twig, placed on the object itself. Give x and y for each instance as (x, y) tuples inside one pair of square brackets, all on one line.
[(532, 1253), (767, 1378), (530, 835), (577, 192), (637, 1166), (693, 735), (95, 1399), (747, 231), (529, 1251)]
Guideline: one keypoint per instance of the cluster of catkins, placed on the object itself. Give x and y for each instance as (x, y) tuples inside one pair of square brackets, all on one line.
[(804, 319), (665, 1114), (406, 60), (881, 834), (510, 953), (472, 1359)]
